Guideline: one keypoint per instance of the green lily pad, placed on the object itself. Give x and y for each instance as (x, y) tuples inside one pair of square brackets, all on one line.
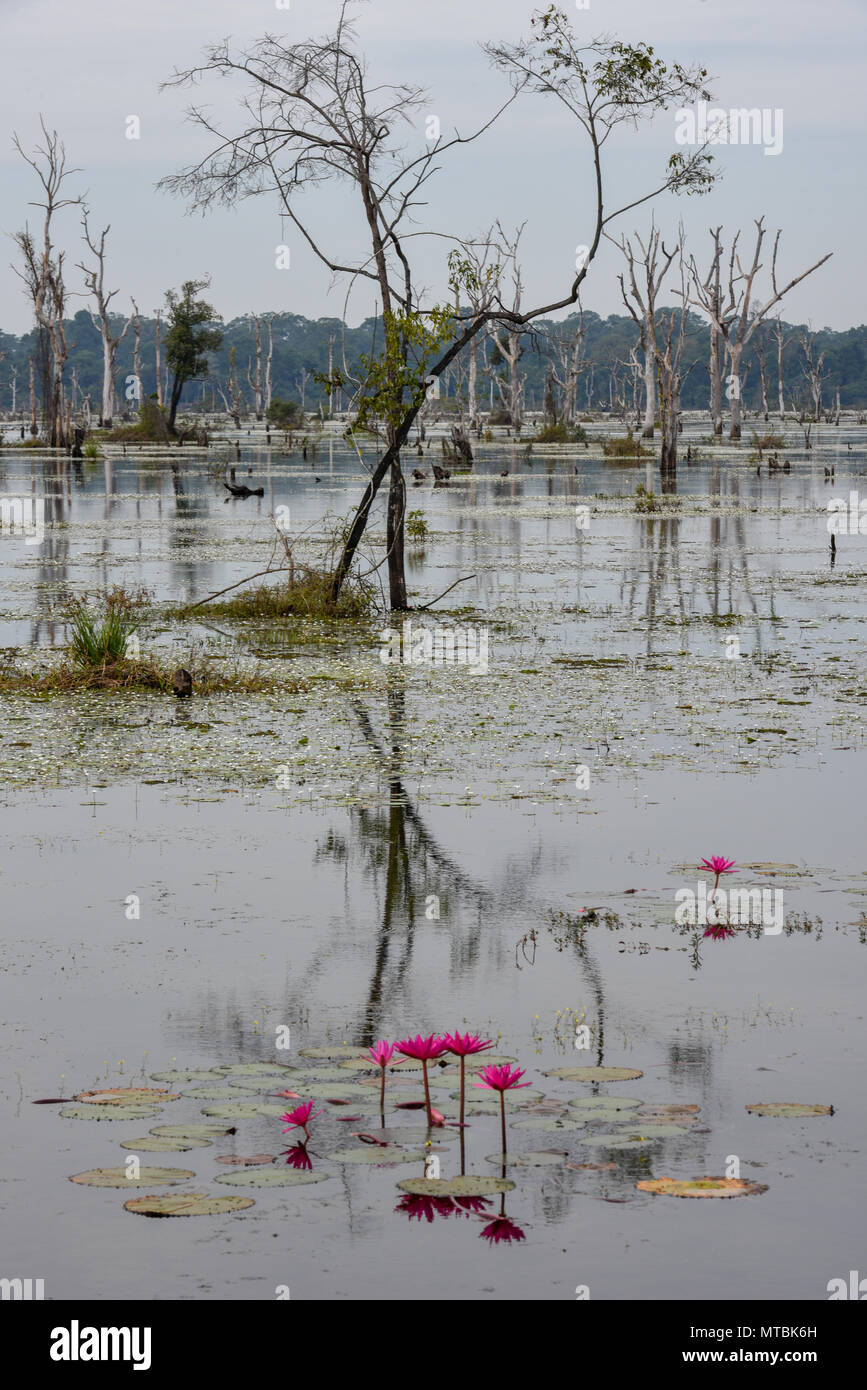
[(212, 1093), (374, 1154), (254, 1069), (337, 1090), (700, 1187), (181, 1075), (117, 1177), (482, 1095), (471, 1186), (251, 1084), (608, 1104), (539, 1158), (595, 1073), (191, 1131), (616, 1141), (235, 1110), (655, 1131), (271, 1177), (242, 1161), (187, 1204), (152, 1143), (788, 1109), (123, 1096), (109, 1112), (328, 1052), (549, 1122), (681, 1113)]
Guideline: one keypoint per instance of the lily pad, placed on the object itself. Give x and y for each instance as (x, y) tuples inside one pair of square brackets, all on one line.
[(788, 1109), (700, 1187), (254, 1069), (126, 1095), (337, 1090), (191, 1131), (110, 1112), (328, 1052), (373, 1154), (483, 1096), (535, 1158), (234, 1110), (655, 1131), (212, 1093), (240, 1161), (549, 1122), (271, 1177), (470, 1186), (152, 1143), (670, 1112), (187, 1204), (616, 1141), (178, 1077), (117, 1177), (595, 1073), (605, 1104)]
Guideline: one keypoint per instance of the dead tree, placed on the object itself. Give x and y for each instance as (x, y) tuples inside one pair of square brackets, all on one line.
[(136, 352), (268, 361), (94, 279), (507, 341), (43, 275), (740, 318), (813, 372), (646, 274), (255, 382)]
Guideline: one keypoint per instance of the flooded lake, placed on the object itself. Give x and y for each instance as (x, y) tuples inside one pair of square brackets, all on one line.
[(374, 848)]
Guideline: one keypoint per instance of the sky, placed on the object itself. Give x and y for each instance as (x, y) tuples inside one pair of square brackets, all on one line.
[(88, 67)]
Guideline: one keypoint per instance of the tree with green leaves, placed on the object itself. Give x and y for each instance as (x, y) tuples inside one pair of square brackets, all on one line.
[(189, 338), (310, 115)]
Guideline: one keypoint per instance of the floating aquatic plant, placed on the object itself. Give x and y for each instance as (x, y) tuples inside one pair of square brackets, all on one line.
[(465, 1046), (300, 1118), (425, 1050), (501, 1079)]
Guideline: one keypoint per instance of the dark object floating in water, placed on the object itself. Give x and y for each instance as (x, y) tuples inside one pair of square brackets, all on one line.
[(54, 1100), (418, 475), (441, 474), (182, 683), (241, 490)]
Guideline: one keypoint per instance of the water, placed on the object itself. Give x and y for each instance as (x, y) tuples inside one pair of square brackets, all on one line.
[(410, 790)]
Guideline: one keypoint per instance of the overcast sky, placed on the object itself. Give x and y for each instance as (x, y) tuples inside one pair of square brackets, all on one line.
[(87, 66)]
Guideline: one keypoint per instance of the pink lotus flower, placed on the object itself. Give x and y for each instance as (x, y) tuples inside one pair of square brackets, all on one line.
[(463, 1047), (500, 1230), (382, 1054), (501, 1079), (424, 1050), (300, 1117), (717, 865)]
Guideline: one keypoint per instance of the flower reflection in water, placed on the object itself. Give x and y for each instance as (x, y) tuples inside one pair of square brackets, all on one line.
[(502, 1231), (298, 1157)]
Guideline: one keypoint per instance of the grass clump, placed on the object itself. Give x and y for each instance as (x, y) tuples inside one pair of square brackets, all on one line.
[(561, 433), (306, 593), (101, 640), (645, 500), (623, 448)]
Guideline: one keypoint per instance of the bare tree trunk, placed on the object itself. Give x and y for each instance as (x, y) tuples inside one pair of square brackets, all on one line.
[(34, 428), (268, 360), (158, 358), (649, 394)]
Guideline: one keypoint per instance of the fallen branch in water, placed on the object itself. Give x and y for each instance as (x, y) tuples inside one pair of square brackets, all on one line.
[(445, 591)]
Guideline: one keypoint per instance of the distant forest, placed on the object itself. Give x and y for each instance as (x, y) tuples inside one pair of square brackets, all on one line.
[(302, 347)]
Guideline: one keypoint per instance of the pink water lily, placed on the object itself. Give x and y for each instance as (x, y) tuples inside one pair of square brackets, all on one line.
[(501, 1079), (463, 1047), (720, 933), (424, 1050), (300, 1117), (382, 1053)]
